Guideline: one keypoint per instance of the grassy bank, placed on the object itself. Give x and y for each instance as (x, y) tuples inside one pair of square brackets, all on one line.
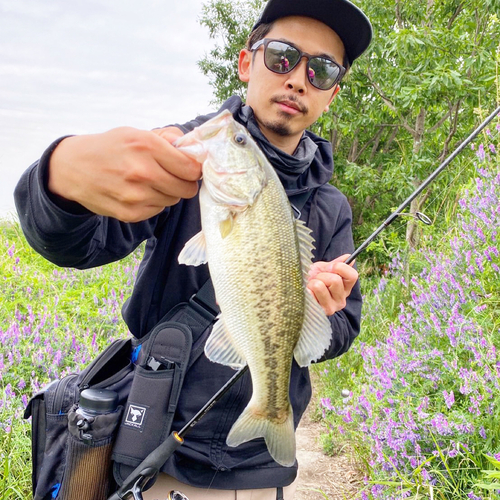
[(52, 321)]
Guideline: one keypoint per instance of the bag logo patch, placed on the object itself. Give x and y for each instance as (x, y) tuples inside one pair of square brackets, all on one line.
[(135, 416)]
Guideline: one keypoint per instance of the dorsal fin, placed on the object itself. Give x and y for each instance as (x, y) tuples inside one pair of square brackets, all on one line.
[(316, 334)]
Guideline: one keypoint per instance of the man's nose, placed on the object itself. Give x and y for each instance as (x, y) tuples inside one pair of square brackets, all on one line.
[(297, 78)]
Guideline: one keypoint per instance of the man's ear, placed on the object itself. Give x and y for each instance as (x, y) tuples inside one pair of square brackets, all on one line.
[(335, 92), (244, 63)]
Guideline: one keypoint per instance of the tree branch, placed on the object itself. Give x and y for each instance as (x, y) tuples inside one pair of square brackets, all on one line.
[(453, 129), (459, 9), (441, 121), (430, 5), (398, 15), (390, 104), (362, 150), (378, 138), (391, 139)]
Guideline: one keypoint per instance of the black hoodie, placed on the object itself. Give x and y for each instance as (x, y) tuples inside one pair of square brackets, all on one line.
[(68, 235)]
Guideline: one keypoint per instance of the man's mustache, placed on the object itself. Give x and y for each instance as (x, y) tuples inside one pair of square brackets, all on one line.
[(292, 99)]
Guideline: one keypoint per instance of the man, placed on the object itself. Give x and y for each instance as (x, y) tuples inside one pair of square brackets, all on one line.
[(93, 199)]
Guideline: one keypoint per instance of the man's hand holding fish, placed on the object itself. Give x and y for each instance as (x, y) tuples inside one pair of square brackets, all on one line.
[(124, 173)]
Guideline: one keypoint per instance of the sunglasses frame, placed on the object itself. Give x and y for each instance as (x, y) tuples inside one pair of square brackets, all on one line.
[(266, 41)]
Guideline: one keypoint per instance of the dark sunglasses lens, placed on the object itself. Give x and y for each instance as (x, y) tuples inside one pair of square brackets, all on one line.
[(323, 73), (281, 57)]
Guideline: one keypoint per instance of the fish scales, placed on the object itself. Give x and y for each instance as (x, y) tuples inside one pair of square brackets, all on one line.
[(258, 257), (262, 259)]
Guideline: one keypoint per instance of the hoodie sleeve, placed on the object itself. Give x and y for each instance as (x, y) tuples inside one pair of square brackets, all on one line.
[(66, 233), (331, 215)]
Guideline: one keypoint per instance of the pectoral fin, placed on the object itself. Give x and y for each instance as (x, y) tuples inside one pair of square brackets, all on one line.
[(194, 252), (226, 226), (220, 347)]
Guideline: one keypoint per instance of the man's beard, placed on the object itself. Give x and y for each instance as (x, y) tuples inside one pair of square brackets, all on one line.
[(281, 127)]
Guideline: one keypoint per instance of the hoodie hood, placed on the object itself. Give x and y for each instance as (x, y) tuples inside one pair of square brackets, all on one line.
[(311, 165)]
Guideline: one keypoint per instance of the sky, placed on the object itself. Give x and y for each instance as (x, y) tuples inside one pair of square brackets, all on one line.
[(88, 66)]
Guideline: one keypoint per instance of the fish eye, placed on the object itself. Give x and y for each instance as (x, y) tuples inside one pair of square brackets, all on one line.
[(240, 139)]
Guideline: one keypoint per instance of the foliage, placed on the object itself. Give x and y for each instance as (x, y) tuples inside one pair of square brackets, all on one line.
[(52, 321), (491, 474), (431, 67), (418, 397), (425, 82), (229, 22)]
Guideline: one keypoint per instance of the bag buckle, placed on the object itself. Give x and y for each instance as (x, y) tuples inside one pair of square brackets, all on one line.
[(202, 308)]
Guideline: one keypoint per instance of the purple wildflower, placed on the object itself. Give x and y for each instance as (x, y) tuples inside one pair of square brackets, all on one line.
[(472, 496), (449, 398), (326, 403), (480, 152)]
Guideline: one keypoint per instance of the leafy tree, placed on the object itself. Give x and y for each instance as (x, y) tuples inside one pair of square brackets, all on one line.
[(428, 76), (409, 100), (229, 22)]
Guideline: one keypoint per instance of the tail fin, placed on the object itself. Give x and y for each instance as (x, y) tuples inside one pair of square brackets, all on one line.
[(279, 438)]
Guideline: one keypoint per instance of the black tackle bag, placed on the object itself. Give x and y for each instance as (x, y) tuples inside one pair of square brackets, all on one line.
[(74, 459)]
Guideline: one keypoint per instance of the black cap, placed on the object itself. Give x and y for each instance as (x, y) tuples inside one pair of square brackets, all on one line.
[(342, 16), (98, 400)]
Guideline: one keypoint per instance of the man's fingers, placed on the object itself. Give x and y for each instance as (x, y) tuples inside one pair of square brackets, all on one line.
[(171, 159), (331, 298), (169, 133), (167, 184), (335, 266), (348, 273), (337, 284), (332, 282), (328, 267)]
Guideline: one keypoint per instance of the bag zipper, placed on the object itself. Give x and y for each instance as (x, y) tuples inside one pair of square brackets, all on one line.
[(56, 407), (98, 363)]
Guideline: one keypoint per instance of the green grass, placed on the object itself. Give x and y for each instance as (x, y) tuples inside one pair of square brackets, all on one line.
[(53, 321)]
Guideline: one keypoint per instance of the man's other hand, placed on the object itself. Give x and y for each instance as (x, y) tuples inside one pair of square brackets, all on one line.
[(331, 283)]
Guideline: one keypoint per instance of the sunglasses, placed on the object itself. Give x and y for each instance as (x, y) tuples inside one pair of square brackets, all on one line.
[(282, 57)]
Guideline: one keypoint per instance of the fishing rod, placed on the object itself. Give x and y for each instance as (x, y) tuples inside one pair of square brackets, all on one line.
[(398, 212), (147, 471)]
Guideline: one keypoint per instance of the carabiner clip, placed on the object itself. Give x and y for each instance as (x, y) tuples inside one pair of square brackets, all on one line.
[(176, 495)]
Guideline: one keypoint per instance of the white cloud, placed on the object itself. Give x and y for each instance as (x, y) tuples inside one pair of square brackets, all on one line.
[(87, 66)]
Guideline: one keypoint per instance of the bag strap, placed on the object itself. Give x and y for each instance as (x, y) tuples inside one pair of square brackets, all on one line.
[(204, 305), (204, 302), (298, 201)]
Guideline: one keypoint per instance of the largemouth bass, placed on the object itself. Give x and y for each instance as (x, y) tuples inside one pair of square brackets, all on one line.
[(259, 258)]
